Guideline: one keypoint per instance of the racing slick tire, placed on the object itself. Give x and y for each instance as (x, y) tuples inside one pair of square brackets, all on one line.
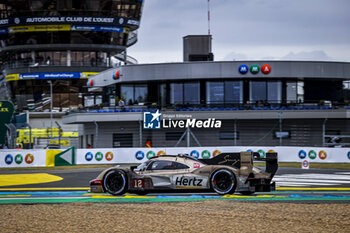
[(223, 182), (115, 182)]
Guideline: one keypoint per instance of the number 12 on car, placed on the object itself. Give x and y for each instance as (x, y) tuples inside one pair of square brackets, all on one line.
[(137, 183)]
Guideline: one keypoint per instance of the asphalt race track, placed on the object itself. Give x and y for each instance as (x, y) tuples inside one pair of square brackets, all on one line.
[(72, 185)]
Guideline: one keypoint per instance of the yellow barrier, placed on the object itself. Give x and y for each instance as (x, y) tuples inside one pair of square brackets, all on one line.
[(50, 157)]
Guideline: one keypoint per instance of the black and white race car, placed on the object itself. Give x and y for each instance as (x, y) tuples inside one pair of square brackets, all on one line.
[(223, 174)]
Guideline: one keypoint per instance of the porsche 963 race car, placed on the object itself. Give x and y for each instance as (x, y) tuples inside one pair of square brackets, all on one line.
[(223, 174)]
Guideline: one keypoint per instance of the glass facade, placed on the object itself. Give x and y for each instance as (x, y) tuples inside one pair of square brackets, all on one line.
[(228, 92), (300, 91), (215, 92), (60, 21), (185, 93), (65, 37), (295, 92), (191, 93), (291, 92), (265, 91), (134, 94), (57, 58), (257, 91), (127, 93), (141, 93), (274, 92), (176, 93), (233, 92), (64, 33), (35, 94)]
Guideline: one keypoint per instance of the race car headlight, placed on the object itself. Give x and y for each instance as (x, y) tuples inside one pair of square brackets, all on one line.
[(96, 182)]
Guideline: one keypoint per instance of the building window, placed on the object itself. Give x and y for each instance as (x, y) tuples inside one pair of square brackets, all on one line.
[(274, 92), (176, 93), (261, 91), (127, 93), (191, 93), (134, 94), (300, 91), (215, 92), (184, 93), (291, 92), (140, 93), (233, 92), (257, 91), (166, 165)]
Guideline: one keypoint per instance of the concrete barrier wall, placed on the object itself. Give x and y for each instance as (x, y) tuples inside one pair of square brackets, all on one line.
[(27, 158)]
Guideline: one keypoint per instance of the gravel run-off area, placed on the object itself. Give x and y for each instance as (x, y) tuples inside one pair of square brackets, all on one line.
[(201, 216)]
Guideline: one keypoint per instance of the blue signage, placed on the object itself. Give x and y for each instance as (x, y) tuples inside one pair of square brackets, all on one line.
[(8, 159), (4, 30), (89, 156), (139, 155), (195, 154), (302, 154), (243, 69), (151, 120), (97, 28), (71, 75), (349, 154)]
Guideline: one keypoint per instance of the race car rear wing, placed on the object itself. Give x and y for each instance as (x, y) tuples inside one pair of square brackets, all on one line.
[(244, 161), (271, 161)]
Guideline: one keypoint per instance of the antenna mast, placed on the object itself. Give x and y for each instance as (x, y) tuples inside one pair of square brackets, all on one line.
[(208, 18)]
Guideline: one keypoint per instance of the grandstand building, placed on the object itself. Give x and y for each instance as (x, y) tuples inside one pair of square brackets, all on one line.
[(64, 42), (259, 103)]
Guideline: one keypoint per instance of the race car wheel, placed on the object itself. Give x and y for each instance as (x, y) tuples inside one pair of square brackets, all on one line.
[(223, 182), (115, 182)]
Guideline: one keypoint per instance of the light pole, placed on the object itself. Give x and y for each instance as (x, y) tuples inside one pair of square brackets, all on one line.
[(50, 82)]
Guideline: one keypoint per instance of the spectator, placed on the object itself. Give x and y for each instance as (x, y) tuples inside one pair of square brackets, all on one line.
[(121, 104), (247, 105), (148, 143), (48, 60)]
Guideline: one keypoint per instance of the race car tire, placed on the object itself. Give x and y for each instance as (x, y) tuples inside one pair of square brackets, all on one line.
[(223, 182), (115, 182)]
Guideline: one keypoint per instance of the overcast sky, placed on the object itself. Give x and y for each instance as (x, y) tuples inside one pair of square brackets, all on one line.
[(246, 29)]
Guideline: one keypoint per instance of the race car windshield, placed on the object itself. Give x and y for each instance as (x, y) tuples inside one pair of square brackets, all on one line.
[(142, 166)]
